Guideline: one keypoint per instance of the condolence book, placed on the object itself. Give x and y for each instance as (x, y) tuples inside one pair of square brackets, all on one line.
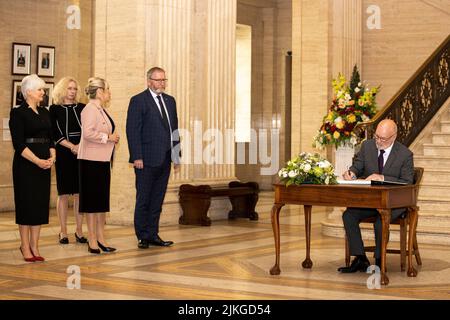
[(371, 182), (386, 183)]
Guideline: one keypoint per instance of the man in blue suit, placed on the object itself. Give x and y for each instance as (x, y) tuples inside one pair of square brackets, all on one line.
[(152, 133)]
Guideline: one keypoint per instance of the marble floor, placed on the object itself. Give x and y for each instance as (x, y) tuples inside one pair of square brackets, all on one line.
[(229, 260)]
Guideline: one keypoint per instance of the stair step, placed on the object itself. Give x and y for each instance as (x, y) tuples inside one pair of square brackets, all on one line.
[(439, 188), (425, 234), (431, 219), (430, 204), (436, 150), (441, 137), (431, 176), (431, 162), (445, 126)]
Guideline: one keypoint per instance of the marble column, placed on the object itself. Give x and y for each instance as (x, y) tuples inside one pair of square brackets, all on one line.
[(194, 41), (311, 69), (346, 37)]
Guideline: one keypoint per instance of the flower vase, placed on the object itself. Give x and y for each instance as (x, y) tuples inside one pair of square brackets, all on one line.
[(343, 158)]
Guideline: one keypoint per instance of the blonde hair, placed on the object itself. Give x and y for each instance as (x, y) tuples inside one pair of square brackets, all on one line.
[(31, 82), (60, 90), (94, 84)]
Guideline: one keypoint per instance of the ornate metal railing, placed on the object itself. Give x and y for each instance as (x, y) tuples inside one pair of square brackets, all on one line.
[(413, 106)]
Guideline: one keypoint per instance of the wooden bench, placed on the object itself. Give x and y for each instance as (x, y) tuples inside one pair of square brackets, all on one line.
[(196, 200)]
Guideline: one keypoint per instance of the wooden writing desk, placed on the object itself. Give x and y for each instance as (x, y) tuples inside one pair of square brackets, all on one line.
[(382, 198)]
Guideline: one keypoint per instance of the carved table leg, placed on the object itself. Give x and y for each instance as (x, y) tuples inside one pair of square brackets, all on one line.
[(275, 216), (385, 220), (413, 217), (307, 263)]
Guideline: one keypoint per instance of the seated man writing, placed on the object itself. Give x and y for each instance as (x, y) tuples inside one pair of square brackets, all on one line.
[(380, 159)]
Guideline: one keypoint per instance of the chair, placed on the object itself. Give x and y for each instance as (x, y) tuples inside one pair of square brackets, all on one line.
[(408, 219)]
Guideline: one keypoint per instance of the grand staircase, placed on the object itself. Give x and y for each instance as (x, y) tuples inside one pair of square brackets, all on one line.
[(432, 152)]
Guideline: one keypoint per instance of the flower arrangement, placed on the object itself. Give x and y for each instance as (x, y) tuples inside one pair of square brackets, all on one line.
[(351, 104), (308, 168)]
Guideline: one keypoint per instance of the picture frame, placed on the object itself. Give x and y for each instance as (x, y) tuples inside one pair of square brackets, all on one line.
[(48, 100), (45, 61), (17, 97), (21, 58)]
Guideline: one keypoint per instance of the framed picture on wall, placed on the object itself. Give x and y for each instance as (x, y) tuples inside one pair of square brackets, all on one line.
[(21, 58), (48, 88), (17, 97), (45, 61)]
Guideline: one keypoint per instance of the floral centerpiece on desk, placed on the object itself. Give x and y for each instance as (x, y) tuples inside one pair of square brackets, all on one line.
[(351, 104), (308, 168)]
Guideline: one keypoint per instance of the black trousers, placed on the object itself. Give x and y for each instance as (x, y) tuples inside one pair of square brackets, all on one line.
[(352, 218), (151, 186)]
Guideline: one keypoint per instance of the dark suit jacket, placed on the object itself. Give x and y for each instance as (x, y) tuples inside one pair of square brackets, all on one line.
[(148, 138), (399, 166)]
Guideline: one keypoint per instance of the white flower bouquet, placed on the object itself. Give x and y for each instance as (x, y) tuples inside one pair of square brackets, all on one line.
[(308, 168)]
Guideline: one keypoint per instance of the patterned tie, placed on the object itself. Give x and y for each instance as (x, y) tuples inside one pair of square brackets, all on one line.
[(381, 162), (163, 113)]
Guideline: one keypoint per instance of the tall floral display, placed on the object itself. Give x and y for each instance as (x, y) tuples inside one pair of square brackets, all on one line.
[(351, 104)]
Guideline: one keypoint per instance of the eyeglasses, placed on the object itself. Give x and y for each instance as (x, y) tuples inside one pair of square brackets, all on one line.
[(160, 80), (382, 139)]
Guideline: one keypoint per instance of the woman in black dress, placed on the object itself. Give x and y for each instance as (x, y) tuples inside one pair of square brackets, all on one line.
[(66, 121), (31, 132)]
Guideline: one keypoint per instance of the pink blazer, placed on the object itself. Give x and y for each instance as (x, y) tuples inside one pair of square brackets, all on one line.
[(95, 127)]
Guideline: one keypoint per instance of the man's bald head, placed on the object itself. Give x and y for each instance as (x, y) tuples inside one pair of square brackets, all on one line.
[(386, 133)]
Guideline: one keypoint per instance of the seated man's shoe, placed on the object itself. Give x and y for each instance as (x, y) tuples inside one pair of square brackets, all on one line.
[(358, 264), (157, 241), (378, 262), (143, 244)]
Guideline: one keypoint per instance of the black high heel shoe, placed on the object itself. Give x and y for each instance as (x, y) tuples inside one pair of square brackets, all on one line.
[(106, 249), (80, 239), (63, 240), (90, 250)]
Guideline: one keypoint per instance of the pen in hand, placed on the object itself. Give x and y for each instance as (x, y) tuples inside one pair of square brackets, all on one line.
[(351, 174)]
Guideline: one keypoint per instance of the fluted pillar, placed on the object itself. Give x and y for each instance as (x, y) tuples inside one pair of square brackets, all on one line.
[(311, 69), (347, 36), (194, 41), (347, 51)]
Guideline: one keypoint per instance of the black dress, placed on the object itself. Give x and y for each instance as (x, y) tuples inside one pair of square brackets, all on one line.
[(31, 183), (95, 182), (66, 122)]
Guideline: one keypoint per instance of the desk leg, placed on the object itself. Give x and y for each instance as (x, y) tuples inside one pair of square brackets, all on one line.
[(307, 264), (275, 216), (385, 221), (413, 217)]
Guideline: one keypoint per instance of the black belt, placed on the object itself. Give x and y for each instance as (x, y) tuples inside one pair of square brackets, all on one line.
[(37, 140)]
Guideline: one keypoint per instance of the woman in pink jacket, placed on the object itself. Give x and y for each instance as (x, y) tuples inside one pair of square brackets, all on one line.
[(95, 153)]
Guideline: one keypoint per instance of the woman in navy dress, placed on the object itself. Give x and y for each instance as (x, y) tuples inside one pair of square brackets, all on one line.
[(66, 121), (31, 132)]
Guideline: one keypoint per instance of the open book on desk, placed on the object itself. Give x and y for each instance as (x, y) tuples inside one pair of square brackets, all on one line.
[(356, 181), (370, 182), (387, 183)]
